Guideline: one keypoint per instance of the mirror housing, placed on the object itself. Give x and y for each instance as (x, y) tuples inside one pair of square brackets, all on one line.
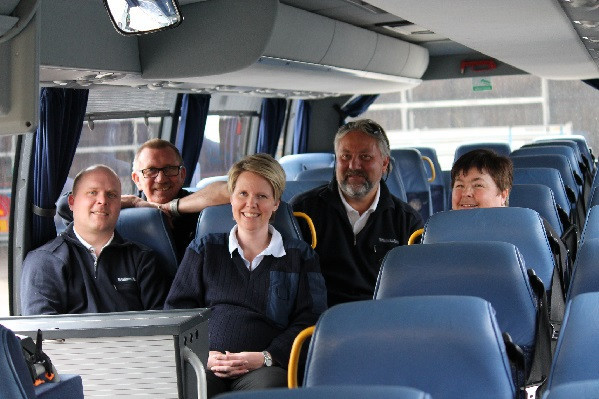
[(138, 17)]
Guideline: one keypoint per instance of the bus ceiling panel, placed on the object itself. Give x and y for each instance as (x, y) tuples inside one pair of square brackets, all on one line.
[(274, 47), (78, 35), (534, 36), (215, 37)]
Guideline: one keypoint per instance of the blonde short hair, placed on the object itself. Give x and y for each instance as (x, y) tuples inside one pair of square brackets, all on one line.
[(263, 165)]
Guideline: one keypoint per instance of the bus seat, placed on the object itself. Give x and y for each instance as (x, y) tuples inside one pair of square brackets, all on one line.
[(146, 226), (149, 227), (320, 174), (490, 270), (448, 346), (594, 197), (519, 226), (332, 392), (499, 147), (577, 348), (219, 219), (549, 177), (395, 183), (538, 149), (580, 150), (447, 180), (579, 390), (207, 180), (539, 198), (561, 163), (591, 226), (438, 187), (585, 274), (294, 187), (16, 378), (408, 162), (295, 163)]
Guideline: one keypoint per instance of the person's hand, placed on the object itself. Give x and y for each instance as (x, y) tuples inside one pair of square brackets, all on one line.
[(233, 365)]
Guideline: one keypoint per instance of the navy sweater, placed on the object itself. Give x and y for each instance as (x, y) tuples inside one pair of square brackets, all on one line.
[(253, 311)]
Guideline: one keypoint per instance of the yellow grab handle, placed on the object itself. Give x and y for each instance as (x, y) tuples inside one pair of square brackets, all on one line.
[(433, 173), (294, 356), (310, 226), (414, 236)]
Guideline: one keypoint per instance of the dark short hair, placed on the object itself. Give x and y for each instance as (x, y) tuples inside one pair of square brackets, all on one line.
[(499, 167)]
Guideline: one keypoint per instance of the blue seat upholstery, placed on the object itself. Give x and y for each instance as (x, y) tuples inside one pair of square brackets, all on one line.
[(295, 163), (549, 177), (448, 346), (519, 226), (594, 200), (579, 390), (332, 392), (408, 162), (500, 148), (542, 149), (585, 274), (490, 270), (591, 226), (293, 188), (149, 227), (146, 226), (539, 198), (558, 162), (577, 350), (580, 149), (16, 380), (219, 219), (438, 187), (320, 174), (208, 180)]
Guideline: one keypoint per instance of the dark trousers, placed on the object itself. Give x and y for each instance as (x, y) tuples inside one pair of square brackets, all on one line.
[(262, 378)]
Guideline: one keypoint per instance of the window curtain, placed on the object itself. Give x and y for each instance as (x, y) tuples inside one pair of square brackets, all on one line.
[(356, 107), (301, 130), (272, 116), (62, 112), (190, 135)]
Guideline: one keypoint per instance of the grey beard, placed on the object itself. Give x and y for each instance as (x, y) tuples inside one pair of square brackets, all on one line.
[(356, 191)]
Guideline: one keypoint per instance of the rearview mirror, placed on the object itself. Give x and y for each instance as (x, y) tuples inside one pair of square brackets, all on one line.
[(137, 17)]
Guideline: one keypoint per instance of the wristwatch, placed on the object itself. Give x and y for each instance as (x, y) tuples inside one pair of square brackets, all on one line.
[(267, 359)]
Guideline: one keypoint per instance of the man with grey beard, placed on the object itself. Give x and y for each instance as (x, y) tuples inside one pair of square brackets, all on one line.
[(357, 220)]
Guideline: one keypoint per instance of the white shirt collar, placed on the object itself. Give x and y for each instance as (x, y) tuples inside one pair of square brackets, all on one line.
[(90, 247), (274, 248), (356, 220)]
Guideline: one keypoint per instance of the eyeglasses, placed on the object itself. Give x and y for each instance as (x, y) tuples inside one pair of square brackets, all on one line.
[(168, 171), (367, 126)]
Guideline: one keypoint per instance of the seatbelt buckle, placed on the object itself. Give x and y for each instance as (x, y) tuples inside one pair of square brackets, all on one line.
[(531, 390), (555, 329)]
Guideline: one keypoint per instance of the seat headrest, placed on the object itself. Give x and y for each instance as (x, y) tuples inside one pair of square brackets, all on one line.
[(295, 187), (412, 341), (219, 219), (539, 198), (519, 226), (326, 173), (490, 270), (549, 177), (62, 208), (149, 227), (500, 148)]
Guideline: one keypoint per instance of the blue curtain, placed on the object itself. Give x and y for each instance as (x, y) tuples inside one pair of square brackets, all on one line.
[(357, 106), (301, 130), (194, 111), (272, 116), (62, 112)]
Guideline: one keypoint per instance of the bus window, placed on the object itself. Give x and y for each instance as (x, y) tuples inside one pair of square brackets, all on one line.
[(7, 155)]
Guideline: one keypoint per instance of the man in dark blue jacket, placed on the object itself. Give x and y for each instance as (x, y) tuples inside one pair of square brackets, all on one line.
[(90, 268)]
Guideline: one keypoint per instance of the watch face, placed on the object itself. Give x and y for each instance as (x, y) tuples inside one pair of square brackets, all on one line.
[(267, 359)]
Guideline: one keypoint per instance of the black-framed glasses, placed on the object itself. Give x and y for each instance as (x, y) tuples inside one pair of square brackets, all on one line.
[(168, 171)]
